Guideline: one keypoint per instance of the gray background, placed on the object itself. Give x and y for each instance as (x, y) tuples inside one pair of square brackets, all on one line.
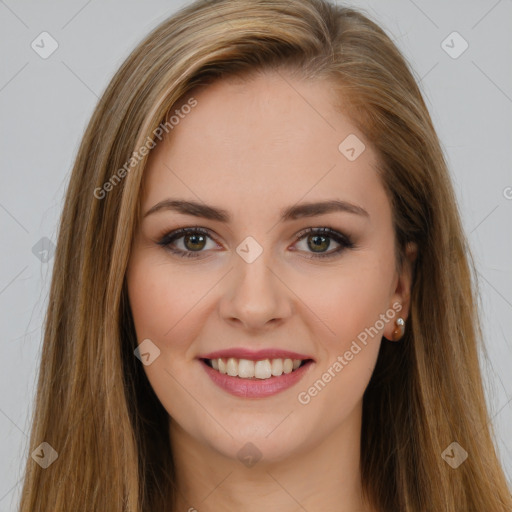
[(46, 103)]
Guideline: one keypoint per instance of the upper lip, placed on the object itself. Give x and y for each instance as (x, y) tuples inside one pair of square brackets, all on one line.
[(254, 355)]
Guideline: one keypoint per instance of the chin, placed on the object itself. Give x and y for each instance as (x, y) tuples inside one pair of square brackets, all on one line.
[(267, 440), (260, 450)]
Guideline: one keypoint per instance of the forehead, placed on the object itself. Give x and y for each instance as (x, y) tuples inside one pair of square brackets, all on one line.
[(270, 141)]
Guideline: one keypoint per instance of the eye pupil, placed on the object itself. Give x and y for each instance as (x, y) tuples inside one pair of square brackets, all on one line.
[(194, 239), (318, 241)]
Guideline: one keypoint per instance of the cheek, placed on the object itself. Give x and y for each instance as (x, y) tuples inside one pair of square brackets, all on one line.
[(349, 300), (163, 302), (164, 310), (351, 306), (352, 303)]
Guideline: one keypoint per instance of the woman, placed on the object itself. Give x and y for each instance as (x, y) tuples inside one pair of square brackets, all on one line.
[(262, 293)]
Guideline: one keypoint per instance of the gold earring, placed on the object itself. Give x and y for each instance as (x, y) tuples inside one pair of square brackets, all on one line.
[(400, 329)]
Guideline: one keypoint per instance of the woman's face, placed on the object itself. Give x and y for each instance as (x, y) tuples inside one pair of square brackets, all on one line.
[(255, 165)]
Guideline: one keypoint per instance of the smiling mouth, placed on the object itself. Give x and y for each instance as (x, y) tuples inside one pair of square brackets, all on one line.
[(253, 370)]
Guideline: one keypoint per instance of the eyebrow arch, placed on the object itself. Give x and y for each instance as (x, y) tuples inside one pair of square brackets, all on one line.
[(301, 210)]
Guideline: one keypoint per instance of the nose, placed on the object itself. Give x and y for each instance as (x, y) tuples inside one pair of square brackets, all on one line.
[(255, 298)]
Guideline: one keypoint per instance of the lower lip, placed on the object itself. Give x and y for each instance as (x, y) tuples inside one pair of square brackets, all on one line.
[(256, 388)]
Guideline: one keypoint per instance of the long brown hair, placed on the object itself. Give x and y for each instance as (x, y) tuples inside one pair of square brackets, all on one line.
[(95, 406)]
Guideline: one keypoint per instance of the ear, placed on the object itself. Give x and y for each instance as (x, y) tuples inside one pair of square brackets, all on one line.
[(402, 292)]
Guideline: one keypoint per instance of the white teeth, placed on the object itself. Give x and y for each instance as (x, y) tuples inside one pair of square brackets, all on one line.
[(277, 367), (262, 369), (232, 367), (247, 369)]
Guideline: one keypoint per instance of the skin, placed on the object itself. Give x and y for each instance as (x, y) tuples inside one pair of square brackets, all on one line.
[(274, 142)]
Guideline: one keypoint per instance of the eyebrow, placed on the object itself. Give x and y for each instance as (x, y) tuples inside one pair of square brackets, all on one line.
[(293, 212)]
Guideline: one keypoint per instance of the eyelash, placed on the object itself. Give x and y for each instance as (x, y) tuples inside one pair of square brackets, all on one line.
[(344, 241)]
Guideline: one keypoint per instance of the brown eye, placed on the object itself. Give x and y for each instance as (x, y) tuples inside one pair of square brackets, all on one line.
[(194, 242), (318, 243), (318, 240)]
